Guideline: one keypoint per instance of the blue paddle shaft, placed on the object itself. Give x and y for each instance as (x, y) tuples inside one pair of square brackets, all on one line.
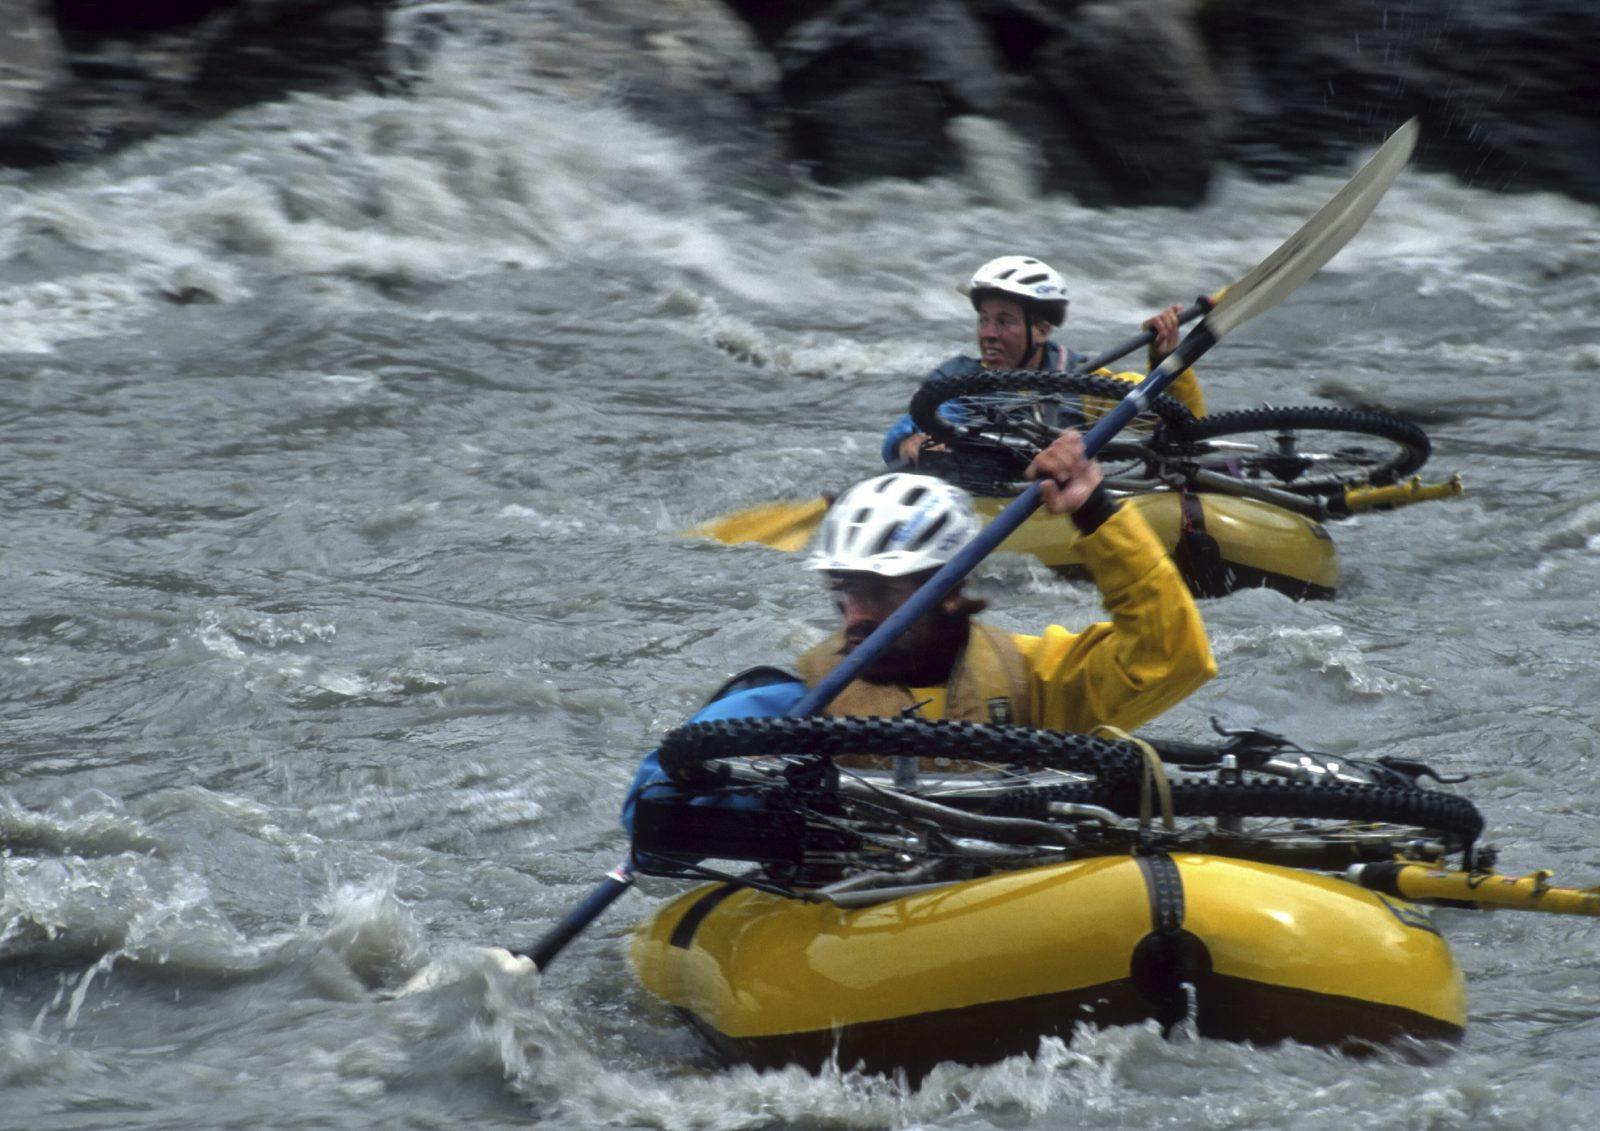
[(603, 895), (999, 529)]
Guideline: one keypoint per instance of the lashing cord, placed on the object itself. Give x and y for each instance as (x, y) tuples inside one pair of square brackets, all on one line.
[(1152, 778)]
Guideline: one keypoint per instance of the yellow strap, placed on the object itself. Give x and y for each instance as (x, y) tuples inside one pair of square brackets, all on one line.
[(1154, 774)]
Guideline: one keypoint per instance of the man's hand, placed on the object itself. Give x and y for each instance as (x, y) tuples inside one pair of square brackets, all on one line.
[(1165, 324), (1066, 477), (912, 447)]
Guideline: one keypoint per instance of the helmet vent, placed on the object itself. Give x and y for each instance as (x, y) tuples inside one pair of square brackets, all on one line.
[(854, 529), (931, 532), (886, 540)]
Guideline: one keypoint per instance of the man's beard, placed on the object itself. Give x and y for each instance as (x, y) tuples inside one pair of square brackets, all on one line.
[(924, 655)]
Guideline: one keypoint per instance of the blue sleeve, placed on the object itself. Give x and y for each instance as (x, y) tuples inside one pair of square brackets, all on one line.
[(898, 431), (905, 426), (771, 699)]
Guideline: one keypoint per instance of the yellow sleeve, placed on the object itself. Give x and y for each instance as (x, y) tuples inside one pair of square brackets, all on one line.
[(1185, 387), (1147, 658)]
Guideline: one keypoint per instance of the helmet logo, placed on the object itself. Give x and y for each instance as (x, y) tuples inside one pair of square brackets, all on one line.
[(907, 533)]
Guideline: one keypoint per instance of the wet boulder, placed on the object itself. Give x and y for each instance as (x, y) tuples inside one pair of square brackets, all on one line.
[(1118, 97), (1506, 91), (128, 71), (1129, 104), (32, 64)]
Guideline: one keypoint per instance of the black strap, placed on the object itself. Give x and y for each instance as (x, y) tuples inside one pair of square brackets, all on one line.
[(683, 931), (1198, 554), (1165, 885)]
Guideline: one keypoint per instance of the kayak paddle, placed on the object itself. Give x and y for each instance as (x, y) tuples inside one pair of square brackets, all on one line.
[(783, 526)]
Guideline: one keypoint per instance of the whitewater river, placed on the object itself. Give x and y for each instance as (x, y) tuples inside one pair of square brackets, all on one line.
[(345, 448)]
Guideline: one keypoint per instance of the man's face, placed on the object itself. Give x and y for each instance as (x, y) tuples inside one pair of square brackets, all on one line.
[(866, 600), (1003, 333)]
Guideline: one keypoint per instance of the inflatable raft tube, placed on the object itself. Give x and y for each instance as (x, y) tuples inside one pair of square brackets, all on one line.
[(1221, 543), (980, 970)]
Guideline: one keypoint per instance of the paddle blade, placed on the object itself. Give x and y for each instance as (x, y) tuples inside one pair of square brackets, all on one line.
[(783, 526), (1318, 239), (487, 963)]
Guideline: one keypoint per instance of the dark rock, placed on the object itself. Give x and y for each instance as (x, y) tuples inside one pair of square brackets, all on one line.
[(82, 22), (771, 19), (273, 47), (32, 62), (135, 70), (1506, 90), (1129, 109), (1126, 101), (873, 85)]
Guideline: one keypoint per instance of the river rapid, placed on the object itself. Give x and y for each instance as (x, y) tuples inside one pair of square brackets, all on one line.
[(347, 443)]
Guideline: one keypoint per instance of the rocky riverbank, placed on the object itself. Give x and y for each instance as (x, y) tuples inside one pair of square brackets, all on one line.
[(1126, 101)]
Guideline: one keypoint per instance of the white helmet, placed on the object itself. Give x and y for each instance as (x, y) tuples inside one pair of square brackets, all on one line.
[(894, 525), (1023, 277)]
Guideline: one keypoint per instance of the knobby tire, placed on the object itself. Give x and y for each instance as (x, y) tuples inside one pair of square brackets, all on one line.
[(686, 750)]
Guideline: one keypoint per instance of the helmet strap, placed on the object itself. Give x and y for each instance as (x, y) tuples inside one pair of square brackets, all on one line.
[(1028, 345)]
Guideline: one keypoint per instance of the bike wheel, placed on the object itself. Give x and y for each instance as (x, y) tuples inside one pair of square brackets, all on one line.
[(1327, 817), (685, 751), (1307, 449), (992, 424)]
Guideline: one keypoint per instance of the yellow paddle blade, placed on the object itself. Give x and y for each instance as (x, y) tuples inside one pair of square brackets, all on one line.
[(783, 526)]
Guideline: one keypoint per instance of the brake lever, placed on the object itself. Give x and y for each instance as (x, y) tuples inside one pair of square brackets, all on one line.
[(1251, 746), (1413, 770)]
